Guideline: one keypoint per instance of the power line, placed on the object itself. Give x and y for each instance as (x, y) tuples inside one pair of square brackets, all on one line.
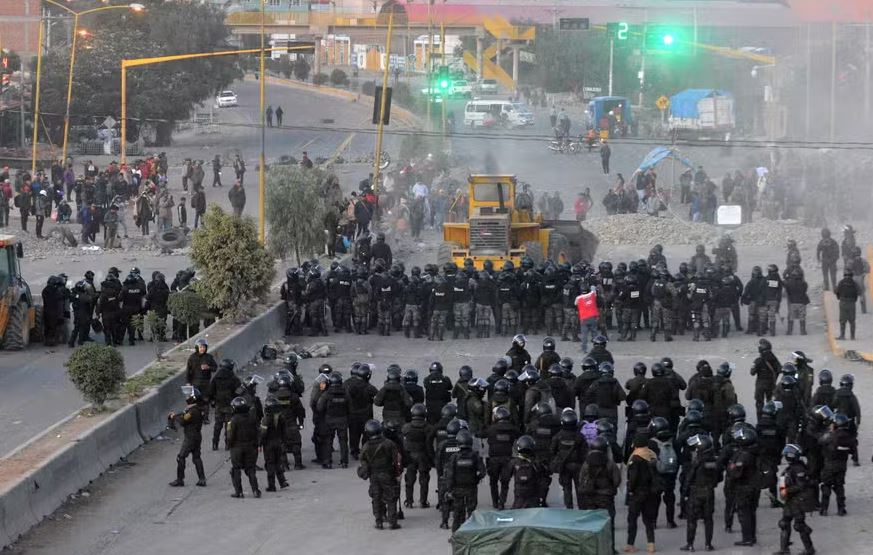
[(787, 144)]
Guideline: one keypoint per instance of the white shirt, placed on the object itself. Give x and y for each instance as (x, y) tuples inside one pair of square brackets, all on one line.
[(419, 190)]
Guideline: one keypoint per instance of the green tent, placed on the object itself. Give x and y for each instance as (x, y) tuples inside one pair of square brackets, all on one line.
[(534, 532)]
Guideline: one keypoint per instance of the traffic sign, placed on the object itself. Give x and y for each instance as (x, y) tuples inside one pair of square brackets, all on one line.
[(662, 103), (573, 24)]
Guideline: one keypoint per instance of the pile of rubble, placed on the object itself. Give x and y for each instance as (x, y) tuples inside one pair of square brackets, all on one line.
[(55, 244), (636, 229)]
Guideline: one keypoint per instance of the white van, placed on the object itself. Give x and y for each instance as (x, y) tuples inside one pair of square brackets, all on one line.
[(491, 113)]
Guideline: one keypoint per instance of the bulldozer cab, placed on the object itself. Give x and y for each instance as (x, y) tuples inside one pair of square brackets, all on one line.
[(502, 226), (10, 270), (18, 315)]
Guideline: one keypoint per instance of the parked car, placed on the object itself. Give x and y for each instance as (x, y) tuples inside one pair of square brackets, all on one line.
[(462, 89), (226, 99), (488, 86)]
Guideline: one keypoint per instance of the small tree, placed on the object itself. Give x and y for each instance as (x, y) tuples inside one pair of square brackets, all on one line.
[(97, 371), (338, 77), (296, 206), (187, 308), (320, 79), (301, 69), (235, 270)]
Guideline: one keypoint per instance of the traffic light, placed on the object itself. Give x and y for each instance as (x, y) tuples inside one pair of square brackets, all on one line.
[(377, 106), (667, 38), (444, 80)]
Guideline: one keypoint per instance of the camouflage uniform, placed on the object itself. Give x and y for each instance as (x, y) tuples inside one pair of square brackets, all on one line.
[(361, 305)]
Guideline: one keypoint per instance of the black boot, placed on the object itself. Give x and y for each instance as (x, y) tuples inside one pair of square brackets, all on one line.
[(808, 548), (803, 327), (790, 329), (842, 330)]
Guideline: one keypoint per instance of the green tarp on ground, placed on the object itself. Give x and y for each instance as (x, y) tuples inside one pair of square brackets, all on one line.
[(534, 532)]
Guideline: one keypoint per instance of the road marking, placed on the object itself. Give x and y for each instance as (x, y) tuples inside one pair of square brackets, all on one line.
[(339, 150)]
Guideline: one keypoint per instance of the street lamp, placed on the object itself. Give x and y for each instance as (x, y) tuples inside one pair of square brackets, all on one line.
[(134, 7)]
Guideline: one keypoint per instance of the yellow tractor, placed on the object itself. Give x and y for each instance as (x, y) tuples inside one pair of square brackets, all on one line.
[(502, 225), (20, 316)]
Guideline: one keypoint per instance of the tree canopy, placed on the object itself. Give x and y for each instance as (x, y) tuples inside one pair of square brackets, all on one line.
[(165, 92), (298, 200), (235, 271)]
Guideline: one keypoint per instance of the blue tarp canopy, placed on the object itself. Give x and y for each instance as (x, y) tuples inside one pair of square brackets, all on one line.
[(660, 153), (684, 104)]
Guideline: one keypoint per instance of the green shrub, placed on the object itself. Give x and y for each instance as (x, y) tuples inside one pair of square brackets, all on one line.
[(320, 79), (235, 270), (338, 77), (368, 88), (97, 371)]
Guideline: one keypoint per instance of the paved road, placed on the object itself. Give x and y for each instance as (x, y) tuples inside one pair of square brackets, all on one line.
[(133, 511), (34, 389)]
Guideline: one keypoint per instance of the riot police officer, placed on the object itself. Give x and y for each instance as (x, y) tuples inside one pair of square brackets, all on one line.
[(191, 420), (242, 440)]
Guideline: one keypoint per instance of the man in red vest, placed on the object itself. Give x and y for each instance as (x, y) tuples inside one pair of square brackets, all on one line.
[(586, 305)]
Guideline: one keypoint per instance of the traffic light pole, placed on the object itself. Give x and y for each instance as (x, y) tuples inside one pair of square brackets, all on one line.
[(381, 125), (611, 56)]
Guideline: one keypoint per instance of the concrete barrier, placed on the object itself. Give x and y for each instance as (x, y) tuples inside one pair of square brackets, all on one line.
[(117, 437), (153, 408), (15, 514), (40, 491)]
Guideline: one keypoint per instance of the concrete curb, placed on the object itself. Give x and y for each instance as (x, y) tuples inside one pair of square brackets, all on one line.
[(41, 490)]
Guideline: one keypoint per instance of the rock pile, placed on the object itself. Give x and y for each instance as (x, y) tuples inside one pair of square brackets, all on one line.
[(640, 229)]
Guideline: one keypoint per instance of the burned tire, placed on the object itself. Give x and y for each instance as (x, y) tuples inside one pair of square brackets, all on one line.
[(534, 250), (17, 328), (38, 331), (174, 238), (559, 249)]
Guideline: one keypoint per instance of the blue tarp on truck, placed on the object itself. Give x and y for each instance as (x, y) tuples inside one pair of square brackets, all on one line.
[(684, 104)]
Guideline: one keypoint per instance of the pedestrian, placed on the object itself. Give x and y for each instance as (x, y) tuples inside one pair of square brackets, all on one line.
[(333, 406), (463, 472), (605, 153), (24, 203), (742, 479), (192, 422), (279, 113), (242, 441), (797, 496), (526, 474), (847, 293), (269, 114), (583, 204), (41, 202), (110, 221), (643, 492), (187, 171), (165, 210), (699, 490), (144, 212), (216, 171), (380, 464), (272, 442), (222, 388), (182, 213), (6, 194), (237, 197), (305, 162), (198, 203), (418, 442), (553, 117), (197, 175), (827, 253), (598, 481), (239, 168)]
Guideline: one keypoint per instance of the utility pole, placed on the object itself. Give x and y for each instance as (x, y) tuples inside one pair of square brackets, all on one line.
[(867, 54), (833, 80), (807, 107), (378, 157), (262, 188)]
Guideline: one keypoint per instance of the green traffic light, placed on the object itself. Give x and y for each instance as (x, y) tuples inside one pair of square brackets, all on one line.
[(668, 40), (444, 84)]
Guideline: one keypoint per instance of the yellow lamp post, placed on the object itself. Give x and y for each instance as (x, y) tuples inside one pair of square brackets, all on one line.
[(76, 33)]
